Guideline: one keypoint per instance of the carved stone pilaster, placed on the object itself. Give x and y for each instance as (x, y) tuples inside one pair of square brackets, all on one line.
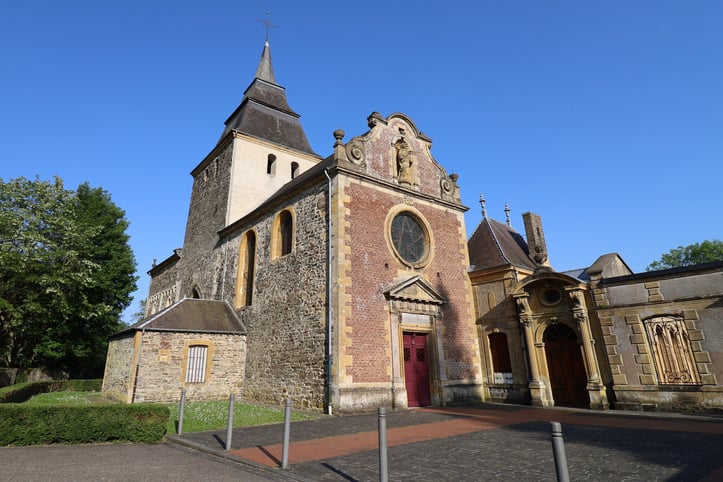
[(596, 390)]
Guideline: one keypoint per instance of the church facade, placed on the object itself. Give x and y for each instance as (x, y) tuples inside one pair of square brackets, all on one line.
[(347, 282), (348, 273)]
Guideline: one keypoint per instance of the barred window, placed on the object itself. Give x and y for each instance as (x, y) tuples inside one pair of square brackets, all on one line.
[(672, 354), (196, 364)]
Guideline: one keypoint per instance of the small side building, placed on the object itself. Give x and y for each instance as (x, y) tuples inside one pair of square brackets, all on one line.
[(196, 345)]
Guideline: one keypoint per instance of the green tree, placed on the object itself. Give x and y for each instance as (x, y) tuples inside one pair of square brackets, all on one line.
[(66, 273), (698, 253)]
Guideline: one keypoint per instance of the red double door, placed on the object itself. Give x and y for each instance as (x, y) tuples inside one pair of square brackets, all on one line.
[(416, 370)]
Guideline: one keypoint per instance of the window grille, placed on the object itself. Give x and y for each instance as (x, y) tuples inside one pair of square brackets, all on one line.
[(196, 364)]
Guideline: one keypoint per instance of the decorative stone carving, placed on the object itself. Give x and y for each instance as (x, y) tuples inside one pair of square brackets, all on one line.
[(523, 307), (447, 185), (355, 152)]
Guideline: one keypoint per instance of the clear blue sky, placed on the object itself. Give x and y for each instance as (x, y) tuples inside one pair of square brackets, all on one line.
[(605, 118)]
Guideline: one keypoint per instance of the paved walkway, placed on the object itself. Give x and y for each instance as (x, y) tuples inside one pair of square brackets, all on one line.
[(494, 442)]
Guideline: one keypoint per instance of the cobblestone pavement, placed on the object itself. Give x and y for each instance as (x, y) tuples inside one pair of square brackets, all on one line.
[(494, 442)]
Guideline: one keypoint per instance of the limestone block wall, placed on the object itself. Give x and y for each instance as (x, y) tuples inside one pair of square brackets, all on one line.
[(163, 361), (119, 368), (286, 321), (623, 307)]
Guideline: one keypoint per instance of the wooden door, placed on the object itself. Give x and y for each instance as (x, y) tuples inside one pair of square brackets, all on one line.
[(566, 368), (416, 370)]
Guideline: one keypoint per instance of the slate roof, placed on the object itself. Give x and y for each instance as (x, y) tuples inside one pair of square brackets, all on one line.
[(495, 244), (264, 111), (192, 315)]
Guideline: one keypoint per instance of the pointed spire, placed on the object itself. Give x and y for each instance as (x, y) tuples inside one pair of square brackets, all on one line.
[(507, 213), (482, 203), (265, 71)]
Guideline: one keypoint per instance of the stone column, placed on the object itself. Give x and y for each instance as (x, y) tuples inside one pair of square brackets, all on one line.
[(538, 392), (598, 397)]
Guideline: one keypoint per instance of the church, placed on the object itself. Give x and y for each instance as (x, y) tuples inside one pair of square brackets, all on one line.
[(347, 282)]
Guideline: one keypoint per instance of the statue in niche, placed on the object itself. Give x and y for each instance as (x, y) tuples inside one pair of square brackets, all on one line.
[(404, 162)]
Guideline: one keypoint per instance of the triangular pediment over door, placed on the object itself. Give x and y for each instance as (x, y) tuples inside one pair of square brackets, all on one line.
[(415, 294)]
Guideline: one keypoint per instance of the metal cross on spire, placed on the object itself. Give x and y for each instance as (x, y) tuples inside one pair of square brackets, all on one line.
[(268, 24)]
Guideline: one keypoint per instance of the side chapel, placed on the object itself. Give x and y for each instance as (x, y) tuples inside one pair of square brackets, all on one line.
[(347, 283)]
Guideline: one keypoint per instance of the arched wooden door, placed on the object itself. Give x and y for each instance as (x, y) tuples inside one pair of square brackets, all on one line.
[(566, 368), (416, 370)]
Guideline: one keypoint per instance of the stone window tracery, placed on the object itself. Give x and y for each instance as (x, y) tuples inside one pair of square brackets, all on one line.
[(671, 351)]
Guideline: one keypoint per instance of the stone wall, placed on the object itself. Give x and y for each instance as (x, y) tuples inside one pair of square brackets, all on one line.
[(202, 264), (286, 320), (119, 368), (623, 305), (162, 363)]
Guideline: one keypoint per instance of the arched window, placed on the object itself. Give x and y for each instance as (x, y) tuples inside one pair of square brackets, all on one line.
[(195, 293), (294, 169), (500, 353), (670, 346), (271, 165), (283, 234), (246, 270)]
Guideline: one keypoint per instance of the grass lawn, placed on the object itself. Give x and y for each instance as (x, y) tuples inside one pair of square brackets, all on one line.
[(203, 416), (198, 416)]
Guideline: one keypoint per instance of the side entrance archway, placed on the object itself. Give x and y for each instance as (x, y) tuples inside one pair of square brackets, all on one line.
[(416, 369), (566, 368)]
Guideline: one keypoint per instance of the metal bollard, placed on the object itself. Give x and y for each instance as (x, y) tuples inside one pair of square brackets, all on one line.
[(229, 427), (287, 431), (181, 410), (558, 452), (383, 470)]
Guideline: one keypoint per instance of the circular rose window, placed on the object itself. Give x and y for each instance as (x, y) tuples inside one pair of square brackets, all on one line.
[(409, 238)]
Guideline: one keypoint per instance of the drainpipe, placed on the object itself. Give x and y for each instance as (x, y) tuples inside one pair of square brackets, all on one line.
[(328, 295), (138, 366)]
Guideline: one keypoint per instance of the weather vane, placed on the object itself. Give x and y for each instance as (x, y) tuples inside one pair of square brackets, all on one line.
[(268, 24)]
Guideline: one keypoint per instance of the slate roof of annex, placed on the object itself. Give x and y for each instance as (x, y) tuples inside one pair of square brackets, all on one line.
[(192, 315)]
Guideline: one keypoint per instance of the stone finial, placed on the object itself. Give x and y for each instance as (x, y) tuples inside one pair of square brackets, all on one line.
[(482, 203), (338, 135), (339, 152)]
